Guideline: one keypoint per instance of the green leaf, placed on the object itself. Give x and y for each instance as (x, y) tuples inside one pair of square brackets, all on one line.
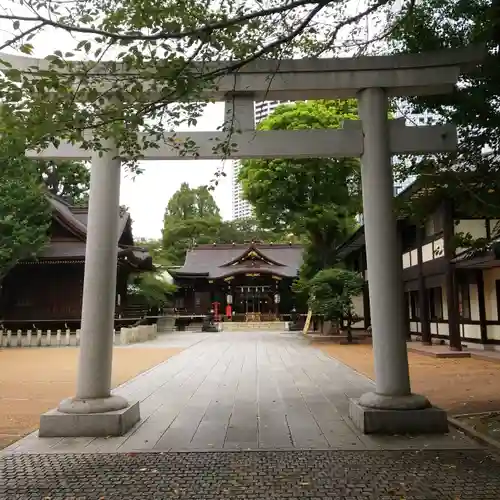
[(26, 48)]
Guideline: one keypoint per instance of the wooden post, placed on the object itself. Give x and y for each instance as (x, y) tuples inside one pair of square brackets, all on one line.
[(481, 306), (423, 296), (450, 277)]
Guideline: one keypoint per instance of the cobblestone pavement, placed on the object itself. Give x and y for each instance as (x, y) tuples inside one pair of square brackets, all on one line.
[(320, 475)]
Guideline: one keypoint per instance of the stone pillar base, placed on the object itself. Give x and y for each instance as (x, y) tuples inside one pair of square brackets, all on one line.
[(430, 420), (112, 423)]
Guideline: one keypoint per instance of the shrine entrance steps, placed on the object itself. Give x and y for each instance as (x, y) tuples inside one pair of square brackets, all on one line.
[(246, 326)]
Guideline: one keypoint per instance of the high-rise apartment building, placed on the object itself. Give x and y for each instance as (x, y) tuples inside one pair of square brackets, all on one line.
[(241, 208), (264, 108)]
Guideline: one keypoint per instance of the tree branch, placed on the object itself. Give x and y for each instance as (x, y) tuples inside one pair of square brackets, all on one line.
[(349, 21), (19, 37), (172, 35)]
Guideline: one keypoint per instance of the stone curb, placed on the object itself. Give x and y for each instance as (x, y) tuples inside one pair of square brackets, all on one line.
[(479, 436)]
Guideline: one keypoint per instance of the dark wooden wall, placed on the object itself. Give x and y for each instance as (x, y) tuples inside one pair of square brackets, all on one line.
[(43, 291)]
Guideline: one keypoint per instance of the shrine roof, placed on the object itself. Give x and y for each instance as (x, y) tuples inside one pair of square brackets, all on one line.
[(221, 260), (419, 189), (72, 247)]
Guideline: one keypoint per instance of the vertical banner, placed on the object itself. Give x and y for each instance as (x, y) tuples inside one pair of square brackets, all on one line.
[(308, 321)]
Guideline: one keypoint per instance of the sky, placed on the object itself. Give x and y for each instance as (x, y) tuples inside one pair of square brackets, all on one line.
[(147, 195)]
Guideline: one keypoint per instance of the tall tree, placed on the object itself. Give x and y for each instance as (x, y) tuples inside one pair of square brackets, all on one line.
[(470, 174), (313, 198), (25, 213), (191, 217), (67, 179), (191, 203), (24, 210)]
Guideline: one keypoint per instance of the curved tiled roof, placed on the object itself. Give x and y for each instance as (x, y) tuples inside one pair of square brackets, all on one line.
[(218, 261), (74, 219)]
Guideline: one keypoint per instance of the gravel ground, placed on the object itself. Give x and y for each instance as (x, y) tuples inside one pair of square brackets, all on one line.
[(34, 380), (458, 385)]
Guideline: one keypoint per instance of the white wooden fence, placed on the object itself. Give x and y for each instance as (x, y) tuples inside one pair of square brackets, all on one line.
[(66, 338)]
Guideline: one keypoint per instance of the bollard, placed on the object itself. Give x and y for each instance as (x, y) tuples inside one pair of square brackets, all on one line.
[(39, 338), (123, 335), (28, 336)]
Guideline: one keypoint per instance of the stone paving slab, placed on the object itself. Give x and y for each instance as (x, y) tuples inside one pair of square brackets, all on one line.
[(253, 390), (319, 475)]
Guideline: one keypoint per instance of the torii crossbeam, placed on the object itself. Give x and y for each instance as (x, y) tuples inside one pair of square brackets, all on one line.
[(340, 143)]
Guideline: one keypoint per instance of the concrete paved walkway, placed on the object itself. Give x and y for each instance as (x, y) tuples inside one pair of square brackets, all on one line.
[(241, 391)]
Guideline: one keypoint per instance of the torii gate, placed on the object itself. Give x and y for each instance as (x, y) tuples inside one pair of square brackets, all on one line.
[(391, 408)]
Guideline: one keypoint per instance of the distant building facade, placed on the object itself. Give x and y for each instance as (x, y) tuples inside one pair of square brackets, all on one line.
[(241, 208), (243, 282)]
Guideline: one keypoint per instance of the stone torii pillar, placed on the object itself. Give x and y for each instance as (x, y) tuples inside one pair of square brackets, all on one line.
[(94, 411), (387, 409), (99, 290)]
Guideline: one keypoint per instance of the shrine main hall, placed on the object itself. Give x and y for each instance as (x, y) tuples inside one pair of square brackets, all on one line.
[(241, 282)]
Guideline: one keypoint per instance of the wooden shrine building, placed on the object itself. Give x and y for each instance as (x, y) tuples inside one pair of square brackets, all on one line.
[(452, 294), (239, 282), (47, 291)]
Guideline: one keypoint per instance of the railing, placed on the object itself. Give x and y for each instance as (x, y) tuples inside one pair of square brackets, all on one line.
[(71, 324), (71, 338)]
